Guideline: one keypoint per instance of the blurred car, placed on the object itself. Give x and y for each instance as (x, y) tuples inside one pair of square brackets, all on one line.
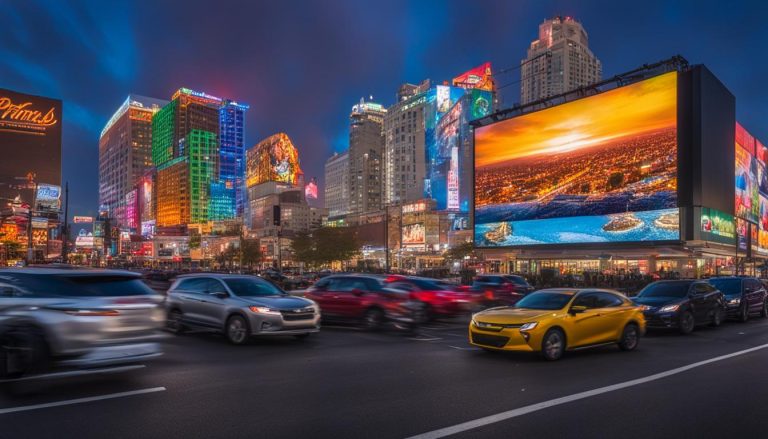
[(240, 306), (552, 321), (744, 296), (75, 318), (440, 298), (681, 304), (500, 289), (362, 298)]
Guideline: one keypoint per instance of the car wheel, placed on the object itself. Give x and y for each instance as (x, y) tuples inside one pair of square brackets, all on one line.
[(237, 330), (173, 322), (687, 323), (23, 351), (764, 310), (373, 319), (717, 317), (630, 337), (553, 344), (744, 312)]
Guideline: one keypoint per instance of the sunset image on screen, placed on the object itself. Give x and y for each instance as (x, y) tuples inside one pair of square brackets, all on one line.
[(606, 163)]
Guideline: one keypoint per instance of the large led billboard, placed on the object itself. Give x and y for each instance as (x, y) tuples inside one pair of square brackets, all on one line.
[(30, 144), (595, 170), (747, 176)]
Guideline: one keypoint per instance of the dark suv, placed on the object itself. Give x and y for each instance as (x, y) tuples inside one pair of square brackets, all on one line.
[(743, 296), (681, 304), (501, 289)]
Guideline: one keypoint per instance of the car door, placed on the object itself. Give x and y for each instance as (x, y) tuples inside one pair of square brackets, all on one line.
[(587, 327), (613, 314), (702, 301), (189, 294), (330, 298), (753, 293), (352, 295), (213, 308)]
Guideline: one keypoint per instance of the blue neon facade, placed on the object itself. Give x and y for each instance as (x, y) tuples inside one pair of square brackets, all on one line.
[(232, 155)]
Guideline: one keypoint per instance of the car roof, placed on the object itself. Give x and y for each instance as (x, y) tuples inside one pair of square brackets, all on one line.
[(574, 291), (69, 271), (217, 275)]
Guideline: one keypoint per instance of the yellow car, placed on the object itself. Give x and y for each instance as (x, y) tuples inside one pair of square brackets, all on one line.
[(552, 321)]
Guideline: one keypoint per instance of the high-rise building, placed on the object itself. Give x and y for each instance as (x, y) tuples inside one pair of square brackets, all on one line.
[(125, 155), (558, 61), (337, 185), (366, 153), (405, 140), (232, 153)]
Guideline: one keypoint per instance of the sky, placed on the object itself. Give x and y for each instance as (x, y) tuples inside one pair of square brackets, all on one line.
[(302, 64), (639, 108)]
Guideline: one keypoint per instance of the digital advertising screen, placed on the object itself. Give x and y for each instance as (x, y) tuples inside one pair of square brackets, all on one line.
[(717, 226), (30, 143), (748, 177), (414, 234), (595, 170)]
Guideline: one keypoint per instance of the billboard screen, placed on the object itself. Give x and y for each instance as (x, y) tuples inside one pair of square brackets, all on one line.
[(30, 143), (748, 176), (414, 234), (479, 78), (717, 226), (598, 169)]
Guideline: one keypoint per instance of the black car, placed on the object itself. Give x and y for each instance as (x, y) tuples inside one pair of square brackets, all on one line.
[(681, 304), (744, 296)]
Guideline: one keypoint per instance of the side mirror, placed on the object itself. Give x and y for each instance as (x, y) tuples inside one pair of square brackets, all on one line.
[(576, 309), (358, 292), (220, 294)]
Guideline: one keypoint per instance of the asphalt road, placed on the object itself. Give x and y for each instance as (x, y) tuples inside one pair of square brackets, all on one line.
[(345, 383)]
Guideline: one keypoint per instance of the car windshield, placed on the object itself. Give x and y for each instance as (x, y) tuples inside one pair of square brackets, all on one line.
[(666, 289), (251, 287), (544, 300), (101, 285), (727, 286)]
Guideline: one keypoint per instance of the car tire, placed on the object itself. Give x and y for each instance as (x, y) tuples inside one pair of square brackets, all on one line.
[(553, 344), (173, 322), (236, 330), (764, 309), (717, 317), (687, 323), (26, 349), (373, 319), (744, 312), (630, 337)]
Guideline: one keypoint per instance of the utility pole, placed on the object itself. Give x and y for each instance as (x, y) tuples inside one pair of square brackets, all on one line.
[(30, 247), (386, 239), (65, 229)]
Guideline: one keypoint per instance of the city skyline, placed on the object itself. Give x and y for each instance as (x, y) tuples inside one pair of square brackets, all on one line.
[(112, 53)]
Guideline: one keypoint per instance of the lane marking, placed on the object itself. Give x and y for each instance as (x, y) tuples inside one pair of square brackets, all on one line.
[(80, 400), (424, 338), (75, 373), (464, 349), (503, 416)]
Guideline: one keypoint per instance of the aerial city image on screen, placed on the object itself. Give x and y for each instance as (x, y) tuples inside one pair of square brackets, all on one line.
[(598, 169)]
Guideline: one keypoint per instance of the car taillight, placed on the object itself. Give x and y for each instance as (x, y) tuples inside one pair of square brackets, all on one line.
[(489, 294), (93, 312)]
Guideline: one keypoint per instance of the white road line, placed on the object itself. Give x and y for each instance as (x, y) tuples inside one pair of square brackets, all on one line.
[(80, 400), (503, 416), (424, 338)]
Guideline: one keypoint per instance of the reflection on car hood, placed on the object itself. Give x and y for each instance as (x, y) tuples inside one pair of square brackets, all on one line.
[(278, 302), (656, 301), (510, 315)]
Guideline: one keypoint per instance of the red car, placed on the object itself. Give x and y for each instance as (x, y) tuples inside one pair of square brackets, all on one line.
[(441, 298), (359, 298), (502, 289)]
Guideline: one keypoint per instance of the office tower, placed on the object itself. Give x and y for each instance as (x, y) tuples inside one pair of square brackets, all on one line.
[(231, 159), (404, 152), (337, 185), (125, 155), (366, 153), (558, 61)]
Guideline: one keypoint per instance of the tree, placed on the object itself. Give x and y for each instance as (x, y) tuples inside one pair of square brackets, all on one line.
[(459, 252), (251, 252), (335, 244), (303, 247)]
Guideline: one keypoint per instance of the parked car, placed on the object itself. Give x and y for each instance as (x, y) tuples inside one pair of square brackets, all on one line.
[(502, 289), (440, 298), (681, 304), (64, 318), (552, 321), (744, 296), (240, 306), (364, 299)]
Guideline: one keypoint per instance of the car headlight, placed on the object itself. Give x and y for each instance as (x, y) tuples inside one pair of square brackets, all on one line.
[(669, 308), (528, 326), (735, 301), (263, 310)]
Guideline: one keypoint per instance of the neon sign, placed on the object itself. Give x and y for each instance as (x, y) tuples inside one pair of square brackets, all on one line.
[(23, 116)]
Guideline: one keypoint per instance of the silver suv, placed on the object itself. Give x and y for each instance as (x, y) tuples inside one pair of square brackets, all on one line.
[(239, 306), (75, 318)]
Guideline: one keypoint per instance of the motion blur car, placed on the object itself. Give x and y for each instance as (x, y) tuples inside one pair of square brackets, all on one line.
[(744, 296), (364, 299), (500, 289), (240, 306), (440, 298), (551, 321), (681, 304), (58, 318)]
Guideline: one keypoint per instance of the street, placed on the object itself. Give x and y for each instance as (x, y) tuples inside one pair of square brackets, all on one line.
[(345, 382)]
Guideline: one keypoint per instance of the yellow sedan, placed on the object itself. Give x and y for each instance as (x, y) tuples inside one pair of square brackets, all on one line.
[(552, 321)]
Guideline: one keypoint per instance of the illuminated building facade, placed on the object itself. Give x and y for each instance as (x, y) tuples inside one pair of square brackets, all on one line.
[(404, 148), (173, 188), (366, 154), (558, 61), (273, 159), (232, 155), (125, 155), (337, 185)]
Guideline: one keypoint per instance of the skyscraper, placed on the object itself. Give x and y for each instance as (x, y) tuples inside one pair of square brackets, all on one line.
[(337, 185), (232, 154), (558, 61), (125, 154), (404, 156), (366, 152)]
